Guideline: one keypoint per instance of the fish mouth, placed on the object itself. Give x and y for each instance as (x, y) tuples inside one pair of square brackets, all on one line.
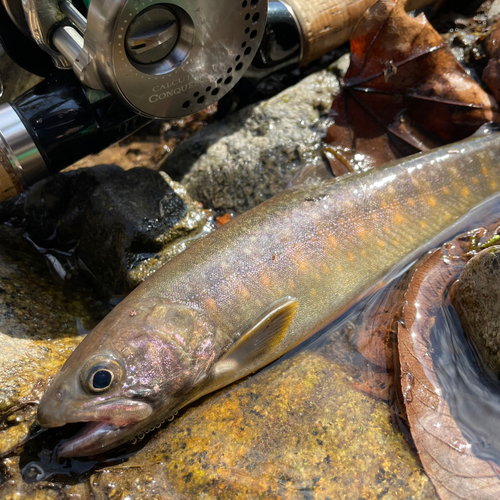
[(107, 424), (94, 438), (120, 412)]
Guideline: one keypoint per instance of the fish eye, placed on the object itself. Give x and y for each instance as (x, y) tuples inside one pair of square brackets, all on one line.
[(100, 374), (102, 379)]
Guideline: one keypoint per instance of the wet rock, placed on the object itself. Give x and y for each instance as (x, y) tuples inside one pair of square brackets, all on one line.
[(494, 11), (40, 325), (121, 225), (477, 299), (251, 156), (296, 428), (149, 146)]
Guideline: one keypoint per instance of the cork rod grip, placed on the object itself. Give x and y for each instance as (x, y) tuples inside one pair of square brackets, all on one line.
[(327, 24), (10, 185)]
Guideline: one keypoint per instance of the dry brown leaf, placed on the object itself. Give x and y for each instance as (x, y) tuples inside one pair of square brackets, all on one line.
[(404, 92)]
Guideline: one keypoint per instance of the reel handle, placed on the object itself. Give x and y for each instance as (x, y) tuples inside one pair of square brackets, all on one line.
[(327, 24)]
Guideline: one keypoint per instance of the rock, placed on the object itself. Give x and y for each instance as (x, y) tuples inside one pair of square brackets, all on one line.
[(477, 300), (40, 325), (122, 224), (126, 219), (494, 11), (148, 146), (256, 153)]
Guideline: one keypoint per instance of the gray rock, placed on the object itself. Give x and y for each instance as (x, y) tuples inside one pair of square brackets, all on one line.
[(477, 301), (494, 11), (257, 152), (122, 224)]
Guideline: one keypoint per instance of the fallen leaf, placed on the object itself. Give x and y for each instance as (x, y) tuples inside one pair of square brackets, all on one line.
[(404, 92), (447, 456), (223, 219)]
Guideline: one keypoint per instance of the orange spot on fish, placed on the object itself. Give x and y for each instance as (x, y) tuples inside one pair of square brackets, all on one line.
[(465, 192), (422, 224), (411, 202), (484, 170), (244, 292), (380, 244), (314, 292), (332, 241), (398, 218), (302, 264), (432, 201), (325, 268), (351, 257), (362, 232), (265, 280), (339, 268), (493, 184), (446, 190)]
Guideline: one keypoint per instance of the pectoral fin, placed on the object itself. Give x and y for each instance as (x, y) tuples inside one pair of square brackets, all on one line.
[(260, 344)]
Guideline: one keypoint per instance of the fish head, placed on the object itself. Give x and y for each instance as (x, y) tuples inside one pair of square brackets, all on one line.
[(141, 364)]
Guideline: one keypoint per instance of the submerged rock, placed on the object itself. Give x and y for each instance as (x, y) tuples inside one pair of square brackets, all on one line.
[(121, 225), (257, 152), (476, 300), (40, 325)]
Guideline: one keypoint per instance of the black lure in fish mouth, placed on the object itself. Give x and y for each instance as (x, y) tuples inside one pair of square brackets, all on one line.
[(90, 440)]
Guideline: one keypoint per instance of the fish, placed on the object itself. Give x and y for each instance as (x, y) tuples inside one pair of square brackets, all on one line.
[(246, 294)]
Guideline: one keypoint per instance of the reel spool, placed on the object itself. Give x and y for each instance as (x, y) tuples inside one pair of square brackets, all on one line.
[(168, 60)]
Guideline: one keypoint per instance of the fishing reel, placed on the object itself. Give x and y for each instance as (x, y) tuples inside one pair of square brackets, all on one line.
[(163, 59)]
